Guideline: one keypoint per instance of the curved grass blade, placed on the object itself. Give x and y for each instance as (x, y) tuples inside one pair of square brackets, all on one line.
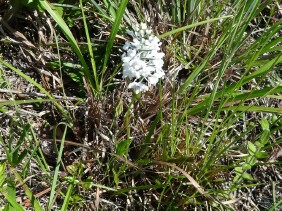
[(19, 102), (191, 26), (56, 172), (254, 109), (266, 92), (37, 85), (13, 202), (44, 4), (229, 90), (67, 197), (115, 28), (90, 49), (28, 192)]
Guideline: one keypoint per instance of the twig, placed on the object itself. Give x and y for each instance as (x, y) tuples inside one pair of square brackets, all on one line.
[(36, 94)]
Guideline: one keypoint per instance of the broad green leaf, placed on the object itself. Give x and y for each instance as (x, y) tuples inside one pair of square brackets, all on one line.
[(264, 124), (251, 160), (88, 182), (251, 148), (2, 168), (123, 147), (246, 166), (13, 202), (238, 170), (11, 187), (75, 169), (261, 155), (72, 169), (247, 176), (2, 176), (264, 137), (259, 144), (67, 197), (116, 177), (235, 180)]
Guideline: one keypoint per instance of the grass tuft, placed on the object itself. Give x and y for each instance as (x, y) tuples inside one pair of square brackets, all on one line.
[(74, 137)]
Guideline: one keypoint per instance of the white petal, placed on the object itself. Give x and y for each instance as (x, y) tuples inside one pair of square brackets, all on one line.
[(131, 33), (153, 80), (126, 45), (147, 71), (138, 87), (148, 31), (158, 62), (131, 53), (126, 59), (135, 42), (143, 26), (159, 74), (128, 73)]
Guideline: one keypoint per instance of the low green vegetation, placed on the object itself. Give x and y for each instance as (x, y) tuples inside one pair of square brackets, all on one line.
[(75, 136)]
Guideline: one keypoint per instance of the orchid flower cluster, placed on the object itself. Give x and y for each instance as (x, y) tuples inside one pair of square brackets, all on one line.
[(142, 61)]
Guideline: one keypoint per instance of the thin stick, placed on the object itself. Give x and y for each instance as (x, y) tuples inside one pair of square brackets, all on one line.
[(36, 94)]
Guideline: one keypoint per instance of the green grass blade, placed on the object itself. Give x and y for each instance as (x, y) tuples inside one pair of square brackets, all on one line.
[(20, 102), (44, 4), (28, 192), (13, 202), (113, 34), (67, 197), (56, 172), (229, 90), (254, 109), (37, 85), (103, 12), (90, 49), (191, 26), (276, 205), (266, 92), (263, 70)]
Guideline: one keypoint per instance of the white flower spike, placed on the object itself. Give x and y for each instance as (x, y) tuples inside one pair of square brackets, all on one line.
[(142, 61)]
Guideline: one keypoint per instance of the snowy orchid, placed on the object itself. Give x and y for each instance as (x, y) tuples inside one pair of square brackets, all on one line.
[(142, 61)]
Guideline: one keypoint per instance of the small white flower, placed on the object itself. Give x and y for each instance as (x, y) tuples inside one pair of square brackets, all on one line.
[(128, 73), (135, 43), (158, 62), (131, 33), (146, 71), (143, 60), (138, 87), (148, 31), (131, 52), (126, 46), (143, 26), (152, 80)]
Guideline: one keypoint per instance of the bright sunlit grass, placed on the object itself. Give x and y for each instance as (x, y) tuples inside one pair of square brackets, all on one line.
[(129, 127)]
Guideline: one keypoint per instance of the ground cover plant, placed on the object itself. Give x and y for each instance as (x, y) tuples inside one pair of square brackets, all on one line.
[(140, 105)]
